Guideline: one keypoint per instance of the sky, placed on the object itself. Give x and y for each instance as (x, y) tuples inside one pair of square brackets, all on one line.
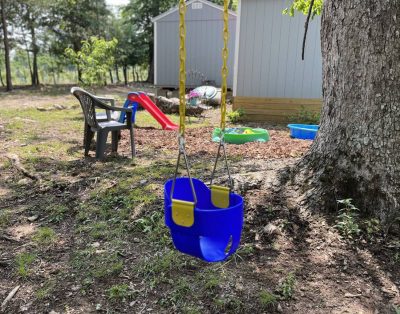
[(117, 2)]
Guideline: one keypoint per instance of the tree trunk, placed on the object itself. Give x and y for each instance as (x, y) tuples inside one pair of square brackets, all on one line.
[(125, 71), (150, 77), (111, 77), (6, 46), (1, 77), (35, 50), (117, 73), (356, 154)]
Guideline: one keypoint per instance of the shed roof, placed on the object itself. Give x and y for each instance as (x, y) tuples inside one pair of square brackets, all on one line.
[(176, 8)]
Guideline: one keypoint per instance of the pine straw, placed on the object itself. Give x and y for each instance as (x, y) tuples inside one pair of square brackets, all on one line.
[(198, 142)]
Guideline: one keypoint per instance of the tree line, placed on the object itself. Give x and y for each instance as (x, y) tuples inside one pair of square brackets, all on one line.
[(36, 34)]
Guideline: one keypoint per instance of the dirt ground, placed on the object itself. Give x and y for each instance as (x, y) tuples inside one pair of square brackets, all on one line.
[(82, 236)]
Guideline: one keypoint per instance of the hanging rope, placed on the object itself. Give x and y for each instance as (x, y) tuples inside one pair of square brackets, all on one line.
[(224, 70), (182, 67)]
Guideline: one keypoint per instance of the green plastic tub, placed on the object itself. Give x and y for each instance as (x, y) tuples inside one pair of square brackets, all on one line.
[(241, 135)]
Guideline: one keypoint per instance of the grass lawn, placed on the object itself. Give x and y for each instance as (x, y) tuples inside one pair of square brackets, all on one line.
[(89, 236)]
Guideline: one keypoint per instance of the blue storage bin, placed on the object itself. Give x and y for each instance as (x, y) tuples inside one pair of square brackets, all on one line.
[(303, 131), (215, 233)]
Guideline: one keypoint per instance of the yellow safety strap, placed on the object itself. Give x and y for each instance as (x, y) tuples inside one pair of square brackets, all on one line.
[(182, 67), (183, 213), (220, 194)]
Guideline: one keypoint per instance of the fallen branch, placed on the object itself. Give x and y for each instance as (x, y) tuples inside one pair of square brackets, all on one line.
[(17, 164), (9, 297)]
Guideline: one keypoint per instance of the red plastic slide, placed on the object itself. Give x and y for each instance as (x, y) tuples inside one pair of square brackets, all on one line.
[(151, 107)]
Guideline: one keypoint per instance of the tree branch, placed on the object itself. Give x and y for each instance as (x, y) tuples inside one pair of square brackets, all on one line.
[(306, 28)]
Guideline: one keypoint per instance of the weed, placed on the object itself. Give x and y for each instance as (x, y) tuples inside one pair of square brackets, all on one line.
[(286, 288), (192, 310), (45, 291), (178, 296), (305, 116), (267, 299), (45, 236), (236, 116), (396, 258), (371, 227), (119, 292), (94, 264), (57, 212), (229, 304), (347, 219), (23, 261), (5, 218)]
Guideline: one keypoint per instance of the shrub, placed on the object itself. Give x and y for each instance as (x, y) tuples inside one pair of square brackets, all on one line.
[(305, 116), (236, 116), (347, 219)]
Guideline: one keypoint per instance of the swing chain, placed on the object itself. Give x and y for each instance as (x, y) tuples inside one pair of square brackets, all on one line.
[(222, 144), (182, 151), (224, 74)]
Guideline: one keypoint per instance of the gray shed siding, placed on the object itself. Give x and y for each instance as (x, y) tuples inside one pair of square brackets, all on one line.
[(203, 47), (268, 57)]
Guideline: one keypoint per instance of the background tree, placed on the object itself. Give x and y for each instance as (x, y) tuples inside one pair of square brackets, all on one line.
[(4, 12), (31, 15), (74, 21), (94, 59)]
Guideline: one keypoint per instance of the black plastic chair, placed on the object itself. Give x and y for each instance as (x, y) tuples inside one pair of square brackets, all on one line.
[(100, 124)]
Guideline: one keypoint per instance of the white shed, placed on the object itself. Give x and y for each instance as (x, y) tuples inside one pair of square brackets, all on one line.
[(271, 82), (204, 42)]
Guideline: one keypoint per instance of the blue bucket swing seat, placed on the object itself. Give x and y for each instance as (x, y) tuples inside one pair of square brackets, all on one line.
[(213, 233)]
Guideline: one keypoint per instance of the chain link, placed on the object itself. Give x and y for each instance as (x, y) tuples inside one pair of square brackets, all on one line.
[(224, 70)]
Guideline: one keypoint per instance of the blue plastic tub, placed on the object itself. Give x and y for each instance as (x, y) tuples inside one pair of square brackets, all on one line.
[(215, 233), (303, 131)]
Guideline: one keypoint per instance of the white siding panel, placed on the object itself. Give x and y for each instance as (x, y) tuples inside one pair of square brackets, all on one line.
[(269, 56)]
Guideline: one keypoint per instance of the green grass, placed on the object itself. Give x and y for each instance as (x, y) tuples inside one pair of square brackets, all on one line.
[(44, 236), (267, 299), (46, 290), (119, 292), (5, 218), (286, 288), (23, 262), (88, 263)]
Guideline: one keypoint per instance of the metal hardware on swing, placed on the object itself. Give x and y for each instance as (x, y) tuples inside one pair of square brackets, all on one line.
[(182, 151)]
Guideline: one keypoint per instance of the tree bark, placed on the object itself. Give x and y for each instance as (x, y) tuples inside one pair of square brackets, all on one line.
[(117, 73), (356, 153), (111, 77), (125, 72), (9, 86), (35, 51), (150, 76)]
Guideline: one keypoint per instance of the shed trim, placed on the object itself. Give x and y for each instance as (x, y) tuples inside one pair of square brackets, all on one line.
[(176, 8), (236, 52), (155, 53)]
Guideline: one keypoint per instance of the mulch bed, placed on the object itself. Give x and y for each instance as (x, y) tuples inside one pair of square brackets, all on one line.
[(198, 141)]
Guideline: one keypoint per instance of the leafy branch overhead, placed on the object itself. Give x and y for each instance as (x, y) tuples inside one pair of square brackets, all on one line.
[(303, 6)]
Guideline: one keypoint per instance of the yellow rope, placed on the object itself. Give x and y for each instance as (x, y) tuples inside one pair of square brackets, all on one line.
[(182, 67), (224, 70)]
